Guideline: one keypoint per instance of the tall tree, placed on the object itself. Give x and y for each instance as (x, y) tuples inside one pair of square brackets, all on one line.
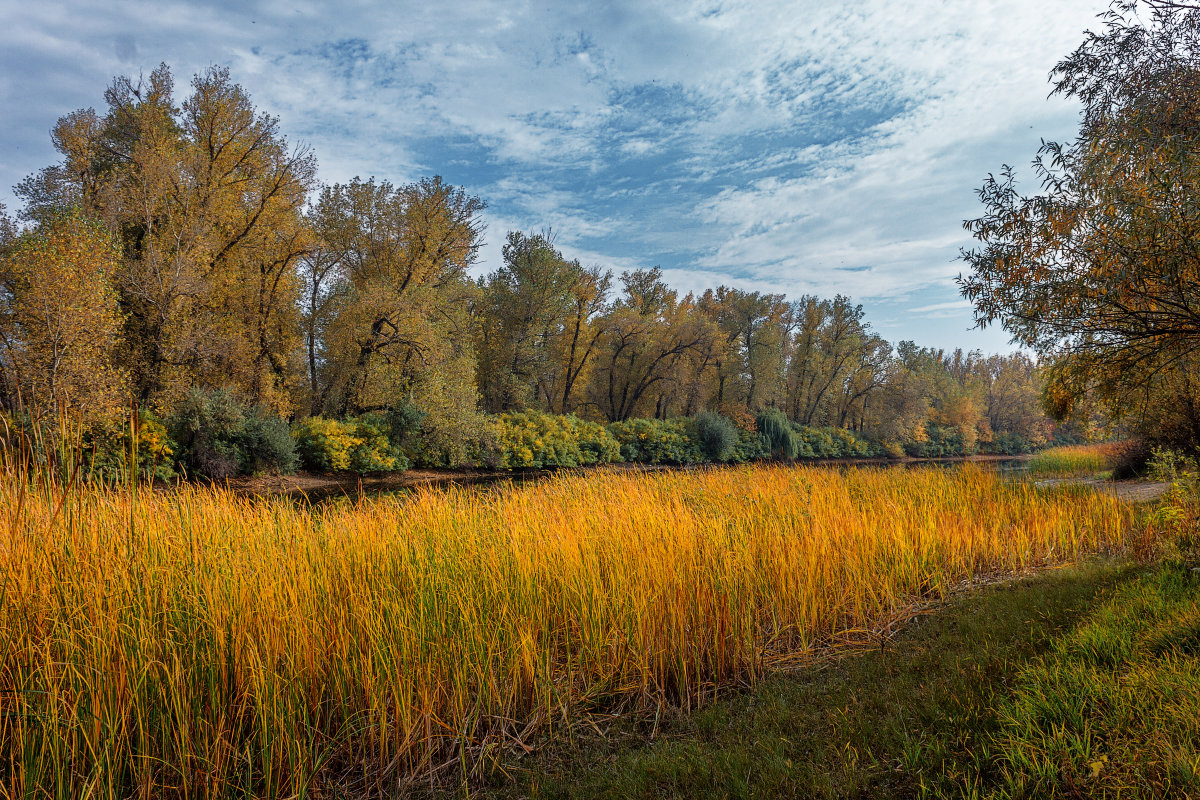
[(401, 321), (523, 313), (750, 363), (205, 198), (1100, 270), (832, 341), (574, 349), (648, 333)]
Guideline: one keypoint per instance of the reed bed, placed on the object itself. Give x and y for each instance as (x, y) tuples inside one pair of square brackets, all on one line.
[(1073, 460), (198, 644)]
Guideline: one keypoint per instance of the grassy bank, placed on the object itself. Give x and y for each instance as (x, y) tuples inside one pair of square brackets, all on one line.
[(915, 718), (157, 643), (1077, 682), (1083, 460)]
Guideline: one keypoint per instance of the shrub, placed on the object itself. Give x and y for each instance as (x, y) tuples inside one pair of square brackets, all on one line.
[(537, 439), (657, 441), (264, 444), (147, 442), (403, 426), (1170, 465), (1006, 443), (781, 440), (716, 436), (376, 452), (98, 450), (596, 444), (1129, 459), (941, 441), (833, 443), (219, 436), (814, 443), (324, 445), (751, 446), (358, 445)]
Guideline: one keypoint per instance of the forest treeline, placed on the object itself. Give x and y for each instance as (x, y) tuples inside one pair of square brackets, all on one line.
[(182, 258)]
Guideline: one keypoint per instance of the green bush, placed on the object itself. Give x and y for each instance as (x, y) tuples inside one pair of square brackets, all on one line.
[(596, 444), (716, 436), (833, 443), (1005, 443), (782, 442), (358, 445), (751, 446), (816, 442), (402, 426), (658, 441), (265, 445), (1171, 466), (941, 441), (376, 452), (323, 445), (536, 439), (219, 436)]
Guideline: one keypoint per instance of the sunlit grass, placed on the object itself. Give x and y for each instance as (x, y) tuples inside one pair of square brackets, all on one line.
[(1114, 711), (200, 643), (1072, 460)]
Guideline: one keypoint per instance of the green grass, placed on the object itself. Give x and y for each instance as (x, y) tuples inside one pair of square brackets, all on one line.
[(1071, 461), (1114, 709), (919, 717)]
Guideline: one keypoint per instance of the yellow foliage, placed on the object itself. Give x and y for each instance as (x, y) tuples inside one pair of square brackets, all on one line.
[(59, 320)]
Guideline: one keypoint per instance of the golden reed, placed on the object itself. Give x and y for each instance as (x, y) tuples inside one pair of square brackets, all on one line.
[(198, 643)]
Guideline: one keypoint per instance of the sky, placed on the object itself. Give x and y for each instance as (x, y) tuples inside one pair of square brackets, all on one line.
[(794, 147)]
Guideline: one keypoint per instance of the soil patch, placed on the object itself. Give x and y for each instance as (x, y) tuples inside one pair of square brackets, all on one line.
[(1131, 491)]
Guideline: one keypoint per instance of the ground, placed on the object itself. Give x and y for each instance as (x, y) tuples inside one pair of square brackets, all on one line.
[(915, 711)]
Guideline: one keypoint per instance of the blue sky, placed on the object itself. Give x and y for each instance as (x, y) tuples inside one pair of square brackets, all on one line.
[(796, 147)]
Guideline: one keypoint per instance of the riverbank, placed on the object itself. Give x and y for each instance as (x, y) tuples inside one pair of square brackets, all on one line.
[(320, 486)]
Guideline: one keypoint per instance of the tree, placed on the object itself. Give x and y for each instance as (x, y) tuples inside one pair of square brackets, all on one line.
[(647, 334), (523, 312), (401, 313), (749, 361), (832, 343), (205, 201), (575, 348), (59, 319), (1101, 271), (323, 275), (1012, 387)]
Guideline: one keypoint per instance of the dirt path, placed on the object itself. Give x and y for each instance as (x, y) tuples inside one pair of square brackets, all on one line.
[(1132, 491)]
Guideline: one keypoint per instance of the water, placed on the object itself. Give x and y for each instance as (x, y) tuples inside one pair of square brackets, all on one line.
[(484, 482)]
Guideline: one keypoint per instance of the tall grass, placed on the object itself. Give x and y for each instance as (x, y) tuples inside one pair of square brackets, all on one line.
[(197, 643), (1072, 460), (1114, 709)]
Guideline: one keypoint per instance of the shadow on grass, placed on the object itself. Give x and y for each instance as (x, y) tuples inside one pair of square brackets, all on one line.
[(916, 718)]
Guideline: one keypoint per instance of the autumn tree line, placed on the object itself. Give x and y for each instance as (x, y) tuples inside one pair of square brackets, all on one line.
[(182, 259)]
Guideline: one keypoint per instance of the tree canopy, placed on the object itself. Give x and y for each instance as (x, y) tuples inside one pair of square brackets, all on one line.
[(1100, 270)]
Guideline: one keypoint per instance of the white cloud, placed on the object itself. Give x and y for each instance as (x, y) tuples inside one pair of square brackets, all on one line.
[(953, 305)]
